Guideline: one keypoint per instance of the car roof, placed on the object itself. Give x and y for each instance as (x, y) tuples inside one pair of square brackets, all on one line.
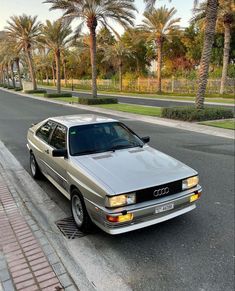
[(81, 119)]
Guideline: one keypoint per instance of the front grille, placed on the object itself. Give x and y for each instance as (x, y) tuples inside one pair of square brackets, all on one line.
[(147, 194)]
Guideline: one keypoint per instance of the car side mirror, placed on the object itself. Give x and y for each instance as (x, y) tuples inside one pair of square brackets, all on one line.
[(145, 139), (60, 153)]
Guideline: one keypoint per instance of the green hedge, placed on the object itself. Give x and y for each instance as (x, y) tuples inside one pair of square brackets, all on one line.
[(10, 87), (18, 89), (96, 101), (190, 113), (37, 91), (57, 95)]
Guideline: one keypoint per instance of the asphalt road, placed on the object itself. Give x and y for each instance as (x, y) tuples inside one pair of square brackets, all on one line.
[(142, 101), (191, 252)]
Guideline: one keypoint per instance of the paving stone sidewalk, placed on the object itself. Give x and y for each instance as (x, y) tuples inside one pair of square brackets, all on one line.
[(27, 260)]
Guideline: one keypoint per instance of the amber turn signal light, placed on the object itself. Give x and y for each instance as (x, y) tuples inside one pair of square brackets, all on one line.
[(120, 218)]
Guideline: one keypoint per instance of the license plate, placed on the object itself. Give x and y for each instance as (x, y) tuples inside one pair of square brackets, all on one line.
[(164, 208)]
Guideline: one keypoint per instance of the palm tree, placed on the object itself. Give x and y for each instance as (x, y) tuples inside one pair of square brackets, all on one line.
[(93, 12), (210, 22), (226, 12), (55, 35), (159, 24), (25, 30), (15, 55), (7, 60), (150, 4), (4, 59), (116, 53)]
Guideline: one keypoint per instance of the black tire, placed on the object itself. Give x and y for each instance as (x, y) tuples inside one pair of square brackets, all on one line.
[(34, 169), (79, 212)]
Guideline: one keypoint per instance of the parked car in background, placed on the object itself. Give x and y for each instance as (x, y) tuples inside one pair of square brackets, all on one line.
[(112, 177)]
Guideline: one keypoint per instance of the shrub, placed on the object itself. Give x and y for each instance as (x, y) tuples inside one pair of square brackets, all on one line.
[(57, 95), (10, 87), (96, 101), (37, 91), (190, 113), (18, 89)]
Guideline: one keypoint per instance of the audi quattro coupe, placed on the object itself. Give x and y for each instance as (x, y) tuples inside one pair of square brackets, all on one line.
[(112, 177)]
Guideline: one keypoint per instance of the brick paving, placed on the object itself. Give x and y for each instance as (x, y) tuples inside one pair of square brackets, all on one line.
[(24, 264)]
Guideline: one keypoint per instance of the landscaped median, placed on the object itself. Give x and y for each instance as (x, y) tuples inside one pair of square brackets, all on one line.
[(188, 113), (228, 124), (184, 113), (215, 98), (67, 97), (137, 109)]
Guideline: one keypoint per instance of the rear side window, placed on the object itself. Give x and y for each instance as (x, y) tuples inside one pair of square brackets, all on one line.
[(45, 131), (58, 139)]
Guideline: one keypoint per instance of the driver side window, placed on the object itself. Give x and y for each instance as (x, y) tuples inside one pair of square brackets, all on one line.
[(58, 139), (44, 132)]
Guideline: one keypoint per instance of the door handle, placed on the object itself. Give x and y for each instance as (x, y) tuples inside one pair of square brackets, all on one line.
[(47, 151)]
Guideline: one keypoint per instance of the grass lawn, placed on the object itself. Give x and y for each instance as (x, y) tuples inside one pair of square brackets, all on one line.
[(38, 94), (137, 109), (226, 98), (227, 124), (66, 99)]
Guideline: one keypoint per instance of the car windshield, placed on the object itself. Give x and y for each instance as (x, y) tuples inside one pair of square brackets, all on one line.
[(101, 137)]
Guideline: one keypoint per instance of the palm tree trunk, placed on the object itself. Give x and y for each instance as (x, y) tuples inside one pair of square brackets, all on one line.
[(159, 65), (7, 75), (17, 60), (31, 68), (53, 73), (12, 74), (65, 73), (2, 75), (227, 38), (120, 76), (47, 78), (92, 24), (211, 15), (57, 61)]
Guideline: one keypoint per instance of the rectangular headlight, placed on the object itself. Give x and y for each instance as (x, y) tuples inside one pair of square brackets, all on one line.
[(120, 200), (190, 182)]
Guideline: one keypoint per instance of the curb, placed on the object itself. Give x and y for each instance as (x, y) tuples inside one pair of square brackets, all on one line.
[(198, 128), (28, 262), (83, 261)]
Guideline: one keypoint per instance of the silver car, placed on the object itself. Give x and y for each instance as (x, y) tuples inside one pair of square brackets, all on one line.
[(112, 177)]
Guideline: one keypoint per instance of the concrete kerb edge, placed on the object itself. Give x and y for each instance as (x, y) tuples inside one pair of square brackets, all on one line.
[(83, 260), (10, 169), (198, 128)]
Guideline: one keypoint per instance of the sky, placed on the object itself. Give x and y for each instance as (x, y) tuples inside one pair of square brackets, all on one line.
[(36, 7)]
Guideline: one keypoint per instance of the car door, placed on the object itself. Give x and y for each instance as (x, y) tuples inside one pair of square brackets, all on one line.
[(58, 165), (41, 145)]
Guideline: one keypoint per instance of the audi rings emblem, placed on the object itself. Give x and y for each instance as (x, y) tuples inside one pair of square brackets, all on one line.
[(161, 192)]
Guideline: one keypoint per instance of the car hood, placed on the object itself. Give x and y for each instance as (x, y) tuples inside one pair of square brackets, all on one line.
[(132, 169)]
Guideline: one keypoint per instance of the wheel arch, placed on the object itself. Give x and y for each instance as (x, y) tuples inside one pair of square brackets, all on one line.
[(73, 187)]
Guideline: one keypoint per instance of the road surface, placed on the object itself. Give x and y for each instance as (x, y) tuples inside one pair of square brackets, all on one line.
[(191, 252)]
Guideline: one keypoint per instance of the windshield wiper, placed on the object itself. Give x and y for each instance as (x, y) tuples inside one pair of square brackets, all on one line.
[(120, 147)]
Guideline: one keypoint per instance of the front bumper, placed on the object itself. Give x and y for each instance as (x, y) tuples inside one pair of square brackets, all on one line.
[(144, 213)]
